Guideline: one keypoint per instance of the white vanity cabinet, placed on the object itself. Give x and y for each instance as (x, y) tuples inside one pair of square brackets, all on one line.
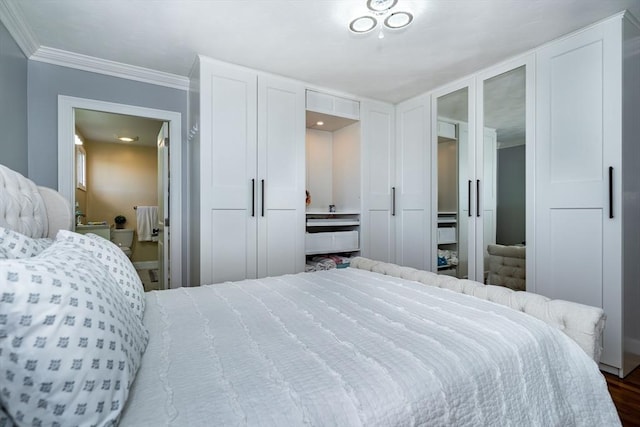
[(248, 180), (587, 216)]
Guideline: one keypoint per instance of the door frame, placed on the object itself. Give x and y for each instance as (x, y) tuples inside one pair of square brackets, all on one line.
[(66, 161)]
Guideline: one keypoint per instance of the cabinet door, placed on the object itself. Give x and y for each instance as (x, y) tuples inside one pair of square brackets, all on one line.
[(578, 244), (378, 177), (281, 177), (413, 179), (227, 166)]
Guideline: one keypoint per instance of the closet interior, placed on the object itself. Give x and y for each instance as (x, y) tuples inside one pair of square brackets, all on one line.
[(332, 181)]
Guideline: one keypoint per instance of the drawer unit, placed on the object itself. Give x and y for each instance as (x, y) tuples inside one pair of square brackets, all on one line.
[(331, 242)]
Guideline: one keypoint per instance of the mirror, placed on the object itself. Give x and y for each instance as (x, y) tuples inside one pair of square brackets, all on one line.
[(504, 173), (453, 208)]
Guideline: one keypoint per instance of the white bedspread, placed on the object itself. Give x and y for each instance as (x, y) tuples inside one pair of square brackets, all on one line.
[(350, 347)]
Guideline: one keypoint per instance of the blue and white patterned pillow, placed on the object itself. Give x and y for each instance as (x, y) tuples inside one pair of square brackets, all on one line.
[(5, 421), (17, 245), (118, 264), (70, 346)]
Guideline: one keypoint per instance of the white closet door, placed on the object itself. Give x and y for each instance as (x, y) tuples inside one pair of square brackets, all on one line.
[(281, 176), (578, 246), (228, 166), (413, 179), (378, 176), (486, 167)]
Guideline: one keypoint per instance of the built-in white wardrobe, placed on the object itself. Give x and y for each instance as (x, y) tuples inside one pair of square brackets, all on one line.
[(396, 182), (545, 157), (587, 213), (247, 173)]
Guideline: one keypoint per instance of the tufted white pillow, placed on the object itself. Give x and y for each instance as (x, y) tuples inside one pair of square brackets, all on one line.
[(69, 344), (17, 245), (118, 264)]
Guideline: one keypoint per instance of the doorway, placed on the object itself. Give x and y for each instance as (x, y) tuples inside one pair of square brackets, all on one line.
[(68, 107)]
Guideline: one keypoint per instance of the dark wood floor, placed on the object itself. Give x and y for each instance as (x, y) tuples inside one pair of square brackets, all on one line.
[(626, 396)]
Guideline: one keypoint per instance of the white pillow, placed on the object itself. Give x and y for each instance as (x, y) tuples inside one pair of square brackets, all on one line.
[(17, 245), (118, 264), (69, 344)]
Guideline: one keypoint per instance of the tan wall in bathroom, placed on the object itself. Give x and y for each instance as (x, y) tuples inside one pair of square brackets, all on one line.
[(119, 177)]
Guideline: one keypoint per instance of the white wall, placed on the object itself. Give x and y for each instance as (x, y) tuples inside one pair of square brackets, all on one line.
[(319, 172)]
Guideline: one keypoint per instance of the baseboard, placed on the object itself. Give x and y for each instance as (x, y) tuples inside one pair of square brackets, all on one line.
[(145, 265)]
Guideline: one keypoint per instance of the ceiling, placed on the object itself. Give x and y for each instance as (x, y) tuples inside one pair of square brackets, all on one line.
[(307, 39), (98, 126)]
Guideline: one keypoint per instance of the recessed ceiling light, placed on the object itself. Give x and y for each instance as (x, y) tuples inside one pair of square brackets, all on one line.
[(128, 138), (320, 123), (398, 20), (363, 24)]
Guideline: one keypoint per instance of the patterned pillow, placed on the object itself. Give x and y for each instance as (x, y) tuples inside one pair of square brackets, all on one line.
[(17, 245), (118, 264), (69, 345), (5, 421)]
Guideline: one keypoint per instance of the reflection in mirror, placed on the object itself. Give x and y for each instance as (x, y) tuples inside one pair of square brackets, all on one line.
[(453, 131), (504, 163)]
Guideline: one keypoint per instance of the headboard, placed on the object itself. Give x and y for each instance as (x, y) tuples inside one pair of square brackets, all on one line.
[(29, 209)]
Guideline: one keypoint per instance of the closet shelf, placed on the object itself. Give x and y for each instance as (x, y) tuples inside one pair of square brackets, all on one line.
[(331, 222)]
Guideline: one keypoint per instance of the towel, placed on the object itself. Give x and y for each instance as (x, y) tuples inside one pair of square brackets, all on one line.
[(147, 217)]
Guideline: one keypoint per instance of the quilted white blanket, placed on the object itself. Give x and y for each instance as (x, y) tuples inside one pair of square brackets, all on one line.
[(352, 347)]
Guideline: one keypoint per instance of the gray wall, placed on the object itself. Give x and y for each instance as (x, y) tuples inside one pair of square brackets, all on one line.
[(47, 81), (13, 104), (510, 227)]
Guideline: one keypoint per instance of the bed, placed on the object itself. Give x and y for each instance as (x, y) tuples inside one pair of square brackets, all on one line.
[(373, 344)]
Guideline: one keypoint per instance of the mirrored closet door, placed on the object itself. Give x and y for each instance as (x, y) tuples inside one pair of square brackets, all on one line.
[(502, 171), (454, 170), (482, 174)]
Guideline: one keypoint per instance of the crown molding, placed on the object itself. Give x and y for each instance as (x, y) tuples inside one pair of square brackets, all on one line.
[(13, 20), (110, 68)]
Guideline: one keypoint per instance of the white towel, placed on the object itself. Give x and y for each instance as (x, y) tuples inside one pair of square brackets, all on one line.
[(147, 217)]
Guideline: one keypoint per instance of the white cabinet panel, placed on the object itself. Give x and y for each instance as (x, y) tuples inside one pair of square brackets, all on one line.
[(413, 183), (575, 122), (332, 105), (284, 244), (281, 174), (231, 153), (379, 236), (231, 258), (413, 249), (378, 176), (250, 181), (584, 184), (575, 258)]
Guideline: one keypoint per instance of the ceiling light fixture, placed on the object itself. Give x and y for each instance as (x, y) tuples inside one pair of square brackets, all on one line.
[(382, 10), (128, 138), (319, 123)]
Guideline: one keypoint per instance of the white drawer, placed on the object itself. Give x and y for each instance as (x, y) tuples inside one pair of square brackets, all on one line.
[(337, 241)]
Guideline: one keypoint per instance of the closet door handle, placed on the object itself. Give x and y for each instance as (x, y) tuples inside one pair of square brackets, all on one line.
[(393, 201), (610, 191), (253, 197), (262, 191), (469, 199), (478, 198)]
